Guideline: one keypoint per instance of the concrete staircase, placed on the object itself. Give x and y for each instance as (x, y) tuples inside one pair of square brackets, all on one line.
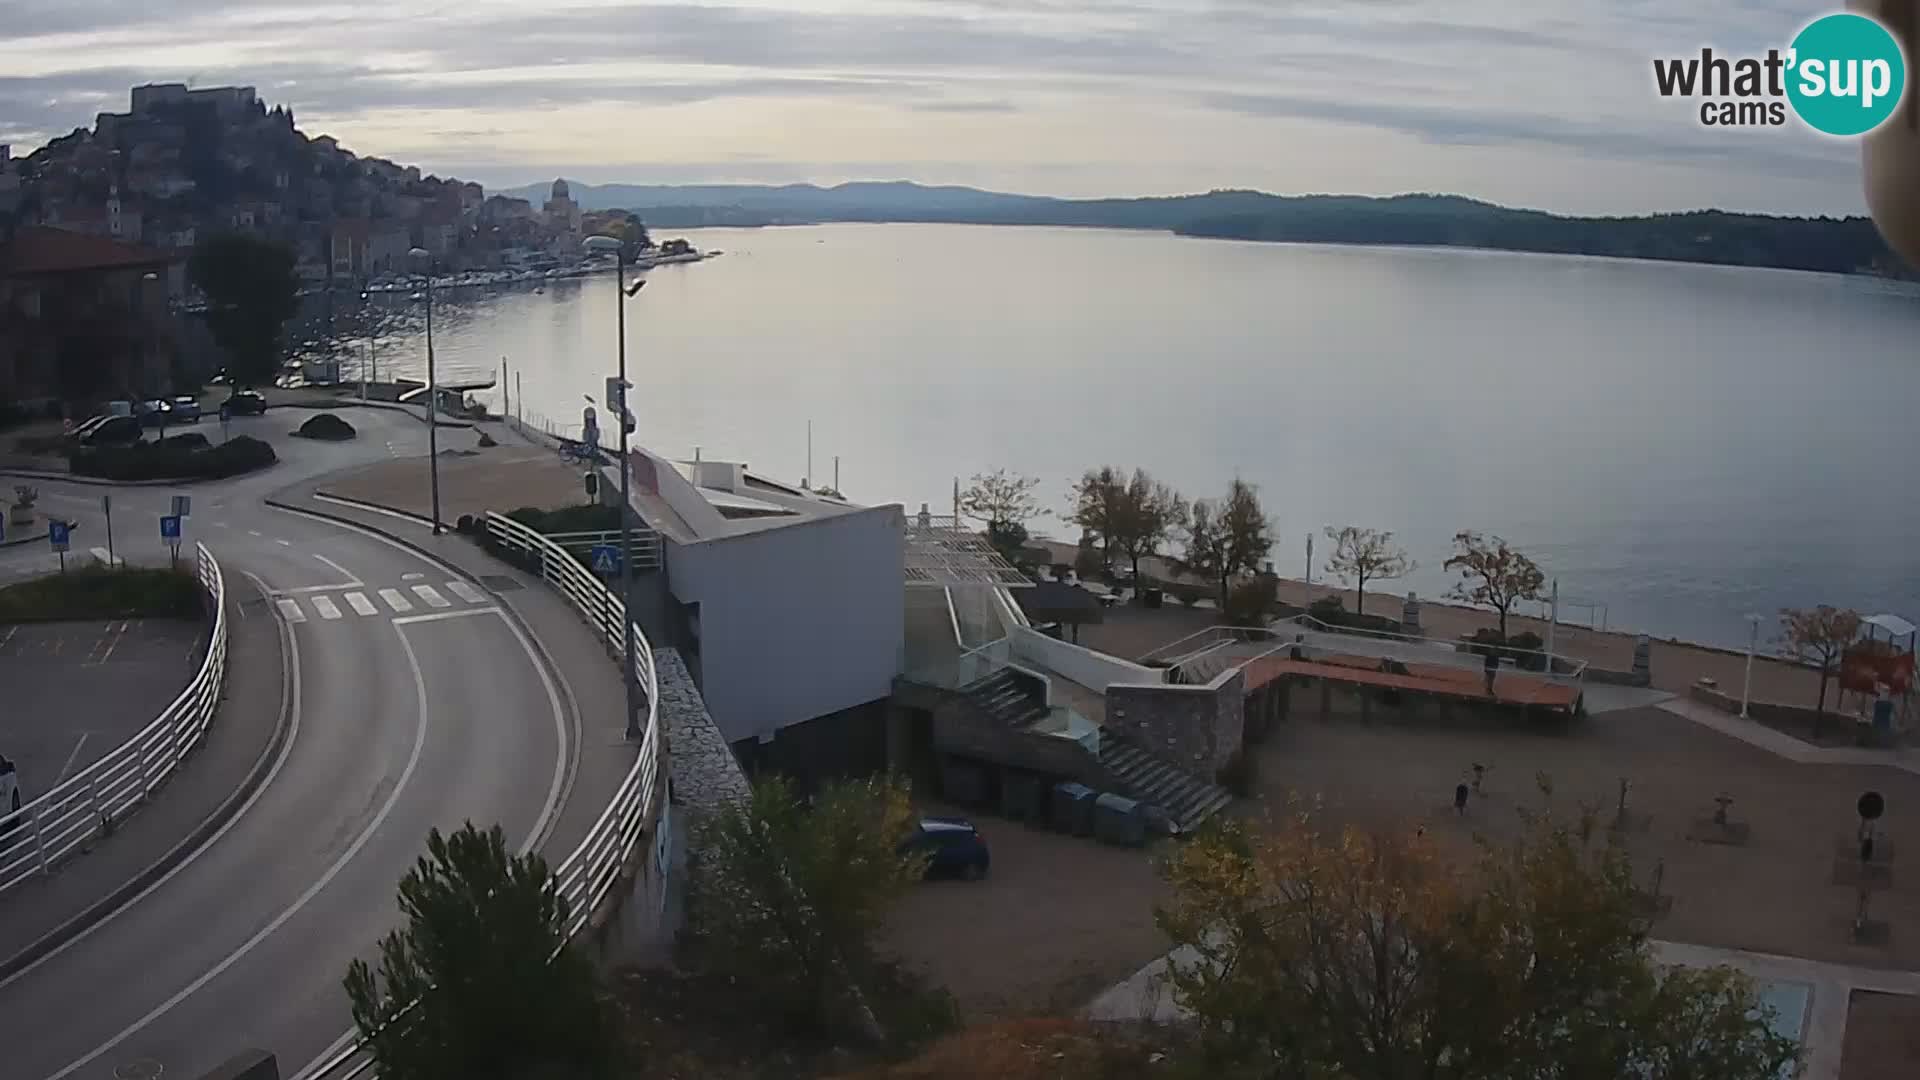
[(1002, 696), (1189, 800)]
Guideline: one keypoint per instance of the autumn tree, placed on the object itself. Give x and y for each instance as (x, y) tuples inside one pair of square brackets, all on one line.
[(1306, 951), (1363, 555), (1229, 536), (787, 897), (481, 980), (1819, 636), (1492, 574), (251, 292), (1095, 503), (1149, 515), (1004, 502)]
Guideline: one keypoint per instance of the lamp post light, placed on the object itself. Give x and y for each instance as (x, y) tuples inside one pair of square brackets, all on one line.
[(1753, 641), (624, 415), (433, 395)]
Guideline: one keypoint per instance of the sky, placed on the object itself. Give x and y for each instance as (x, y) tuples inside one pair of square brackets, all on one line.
[(1542, 103)]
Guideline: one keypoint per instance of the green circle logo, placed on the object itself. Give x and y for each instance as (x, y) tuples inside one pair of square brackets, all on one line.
[(1847, 74)]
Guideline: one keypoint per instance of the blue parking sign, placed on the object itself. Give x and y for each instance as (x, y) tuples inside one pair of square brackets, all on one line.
[(57, 534), (605, 559), (170, 527)]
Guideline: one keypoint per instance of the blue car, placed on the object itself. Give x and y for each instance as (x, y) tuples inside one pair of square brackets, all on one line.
[(186, 410), (951, 846)]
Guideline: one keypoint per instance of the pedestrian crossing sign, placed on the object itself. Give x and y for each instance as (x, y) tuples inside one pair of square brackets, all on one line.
[(605, 559)]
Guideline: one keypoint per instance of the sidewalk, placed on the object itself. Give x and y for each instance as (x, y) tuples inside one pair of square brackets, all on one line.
[(1783, 745), (208, 788)]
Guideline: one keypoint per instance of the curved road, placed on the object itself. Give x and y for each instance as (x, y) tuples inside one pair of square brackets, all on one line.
[(417, 704)]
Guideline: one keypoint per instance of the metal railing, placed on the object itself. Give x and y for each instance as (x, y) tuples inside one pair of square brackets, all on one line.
[(586, 876), (1219, 646), (36, 837), (645, 543)]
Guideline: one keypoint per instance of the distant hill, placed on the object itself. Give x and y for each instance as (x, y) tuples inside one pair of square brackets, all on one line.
[(1834, 245)]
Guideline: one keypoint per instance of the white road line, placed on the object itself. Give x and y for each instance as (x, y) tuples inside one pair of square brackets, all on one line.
[(396, 601), (100, 553), (253, 532), (304, 589), (283, 543), (438, 615), (432, 596), (360, 604), (352, 578), (71, 758), (466, 592), (291, 611), (290, 705), (325, 606), (411, 577), (386, 808), (219, 524)]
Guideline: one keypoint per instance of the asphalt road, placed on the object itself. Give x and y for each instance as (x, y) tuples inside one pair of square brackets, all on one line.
[(418, 705)]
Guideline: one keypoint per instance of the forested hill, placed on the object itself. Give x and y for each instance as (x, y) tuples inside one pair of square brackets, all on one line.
[(1836, 245)]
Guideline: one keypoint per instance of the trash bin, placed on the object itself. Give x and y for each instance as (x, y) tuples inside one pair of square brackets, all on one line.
[(1117, 820), (1153, 598), (1073, 809)]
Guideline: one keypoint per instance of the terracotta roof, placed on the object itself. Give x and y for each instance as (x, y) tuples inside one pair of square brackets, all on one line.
[(40, 250)]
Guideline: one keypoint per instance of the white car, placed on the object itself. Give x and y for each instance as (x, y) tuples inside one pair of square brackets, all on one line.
[(9, 792)]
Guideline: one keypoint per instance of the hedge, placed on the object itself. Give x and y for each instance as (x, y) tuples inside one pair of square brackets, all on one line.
[(172, 461), (326, 426), (96, 592)]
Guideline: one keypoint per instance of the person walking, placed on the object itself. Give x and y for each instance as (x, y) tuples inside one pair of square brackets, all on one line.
[(1491, 666)]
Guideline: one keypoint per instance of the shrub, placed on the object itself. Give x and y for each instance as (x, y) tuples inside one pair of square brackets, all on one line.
[(42, 444), (155, 461), (1087, 563), (1189, 594), (1328, 609), (587, 517), (1249, 602), (326, 426), (1525, 648), (486, 441), (97, 592), (191, 440)]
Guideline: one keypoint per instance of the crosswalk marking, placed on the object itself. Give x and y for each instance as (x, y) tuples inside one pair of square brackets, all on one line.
[(465, 592), (432, 596), (396, 601), (292, 611), (360, 604), (105, 559), (325, 606)]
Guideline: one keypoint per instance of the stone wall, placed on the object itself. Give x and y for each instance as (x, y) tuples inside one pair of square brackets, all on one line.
[(960, 727), (1196, 728), (706, 775)]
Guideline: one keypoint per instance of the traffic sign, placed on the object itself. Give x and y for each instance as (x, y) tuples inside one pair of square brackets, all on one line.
[(57, 534), (182, 505), (605, 559), (170, 527)]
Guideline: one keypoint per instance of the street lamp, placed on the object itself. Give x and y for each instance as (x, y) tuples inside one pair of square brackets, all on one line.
[(373, 336), (433, 395), (604, 244), (1753, 641)]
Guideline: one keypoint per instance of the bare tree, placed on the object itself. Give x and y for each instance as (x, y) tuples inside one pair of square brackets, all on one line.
[(1363, 555), (1095, 503), (1492, 574), (1001, 497), (1148, 514), (1819, 636), (1229, 536)]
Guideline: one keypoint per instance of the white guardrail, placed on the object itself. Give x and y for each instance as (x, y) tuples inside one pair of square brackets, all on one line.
[(587, 876), (36, 837)]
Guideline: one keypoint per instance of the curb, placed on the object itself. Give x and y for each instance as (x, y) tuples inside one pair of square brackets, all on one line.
[(154, 871), (361, 504), (70, 478)]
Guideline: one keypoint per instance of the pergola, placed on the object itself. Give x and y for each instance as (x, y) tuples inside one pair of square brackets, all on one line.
[(942, 553)]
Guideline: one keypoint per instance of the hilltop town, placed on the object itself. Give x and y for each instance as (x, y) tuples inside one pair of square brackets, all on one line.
[(184, 162)]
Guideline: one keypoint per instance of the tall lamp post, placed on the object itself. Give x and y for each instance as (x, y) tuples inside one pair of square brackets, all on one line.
[(1753, 642), (626, 291), (433, 394)]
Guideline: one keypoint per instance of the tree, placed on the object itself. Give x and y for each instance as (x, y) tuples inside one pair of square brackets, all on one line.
[(251, 292), (788, 898), (1368, 957), (1003, 501), (1363, 555), (1492, 574), (1819, 636), (481, 981), (1095, 504), (1147, 516), (1229, 536)]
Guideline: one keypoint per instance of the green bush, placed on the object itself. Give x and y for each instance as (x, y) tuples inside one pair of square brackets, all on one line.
[(96, 592), (1328, 609), (586, 517), (191, 440), (1249, 602), (158, 461), (326, 426), (1189, 594), (42, 444)]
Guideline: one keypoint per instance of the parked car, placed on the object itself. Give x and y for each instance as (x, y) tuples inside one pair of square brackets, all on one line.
[(155, 412), (87, 426), (246, 403), (952, 846), (115, 431), (186, 410), (9, 793)]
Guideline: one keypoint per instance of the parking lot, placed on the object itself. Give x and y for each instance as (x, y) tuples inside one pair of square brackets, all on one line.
[(74, 691)]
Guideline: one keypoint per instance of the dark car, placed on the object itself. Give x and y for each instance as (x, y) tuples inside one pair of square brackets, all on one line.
[(157, 412), (114, 431), (952, 847), (186, 410), (86, 427), (246, 403)]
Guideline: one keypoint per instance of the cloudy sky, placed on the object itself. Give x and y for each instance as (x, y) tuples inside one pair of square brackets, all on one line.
[(1545, 103)]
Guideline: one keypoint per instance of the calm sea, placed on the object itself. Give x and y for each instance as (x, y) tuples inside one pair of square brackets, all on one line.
[(1685, 444)]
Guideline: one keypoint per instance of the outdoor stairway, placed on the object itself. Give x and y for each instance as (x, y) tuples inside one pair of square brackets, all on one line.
[(1187, 798), (1001, 696)]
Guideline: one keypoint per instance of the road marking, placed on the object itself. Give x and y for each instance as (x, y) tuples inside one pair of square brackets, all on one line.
[(396, 601), (71, 758), (253, 532), (325, 606), (105, 559), (438, 615), (432, 596), (352, 578), (411, 577), (219, 524), (304, 589), (466, 592), (333, 871), (290, 705), (283, 543), (291, 611), (360, 604)]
